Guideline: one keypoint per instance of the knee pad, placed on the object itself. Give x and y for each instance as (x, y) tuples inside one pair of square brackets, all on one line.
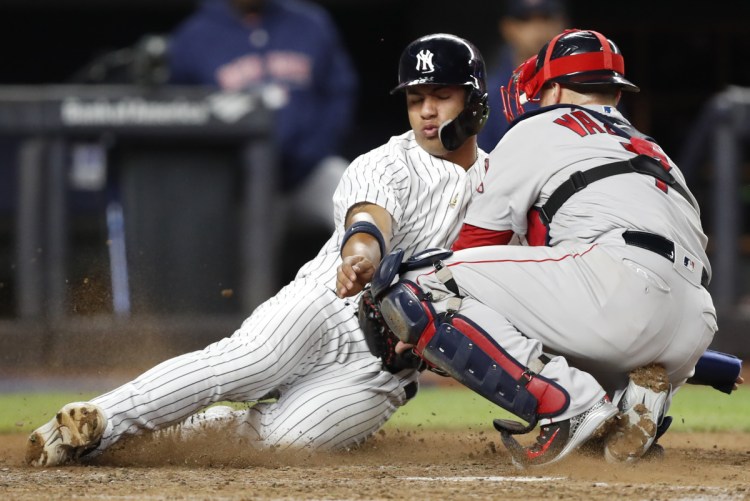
[(408, 313)]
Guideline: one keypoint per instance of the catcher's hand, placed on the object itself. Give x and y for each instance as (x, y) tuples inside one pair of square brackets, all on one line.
[(381, 341)]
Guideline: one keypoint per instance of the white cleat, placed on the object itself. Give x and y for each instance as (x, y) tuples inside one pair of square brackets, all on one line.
[(642, 409), (74, 431)]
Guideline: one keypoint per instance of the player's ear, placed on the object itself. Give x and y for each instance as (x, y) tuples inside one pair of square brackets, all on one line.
[(557, 93), (550, 94)]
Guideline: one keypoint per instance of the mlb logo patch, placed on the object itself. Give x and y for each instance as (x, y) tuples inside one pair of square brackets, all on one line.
[(688, 263)]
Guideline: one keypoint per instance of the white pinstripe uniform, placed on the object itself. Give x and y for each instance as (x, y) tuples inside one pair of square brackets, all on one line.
[(305, 343), (606, 306)]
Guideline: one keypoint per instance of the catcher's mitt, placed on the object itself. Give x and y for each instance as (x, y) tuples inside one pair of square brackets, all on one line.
[(381, 341)]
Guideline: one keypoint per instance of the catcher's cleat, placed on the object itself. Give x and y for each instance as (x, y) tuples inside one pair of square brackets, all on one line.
[(74, 431), (558, 439), (642, 414)]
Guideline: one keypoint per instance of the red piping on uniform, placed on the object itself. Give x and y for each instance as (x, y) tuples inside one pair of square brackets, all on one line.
[(485, 261)]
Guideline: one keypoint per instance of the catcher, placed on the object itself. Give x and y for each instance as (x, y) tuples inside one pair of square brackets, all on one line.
[(593, 326)]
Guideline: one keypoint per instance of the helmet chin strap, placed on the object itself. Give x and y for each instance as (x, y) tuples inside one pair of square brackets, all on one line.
[(453, 133)]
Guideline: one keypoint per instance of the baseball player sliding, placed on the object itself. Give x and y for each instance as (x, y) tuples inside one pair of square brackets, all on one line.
[(304, 346), (603, 316)]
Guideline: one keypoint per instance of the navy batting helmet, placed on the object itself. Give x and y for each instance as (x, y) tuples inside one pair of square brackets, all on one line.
[(444, 59)]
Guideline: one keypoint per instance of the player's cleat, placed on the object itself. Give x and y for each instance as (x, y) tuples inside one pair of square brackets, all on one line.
[(557, 440), (642, 412), (74, 431)]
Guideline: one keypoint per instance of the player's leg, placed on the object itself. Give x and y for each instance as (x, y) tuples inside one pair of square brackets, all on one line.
[(336, 409), (532, 300), (595, 305), (291, 335), (690, 324), (588, 412), (579, 301)]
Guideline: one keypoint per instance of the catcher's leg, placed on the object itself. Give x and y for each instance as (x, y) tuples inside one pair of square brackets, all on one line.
[(451, 342), (454, 344)]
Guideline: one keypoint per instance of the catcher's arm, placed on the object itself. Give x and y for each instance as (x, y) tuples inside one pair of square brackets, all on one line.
[(369, 230)]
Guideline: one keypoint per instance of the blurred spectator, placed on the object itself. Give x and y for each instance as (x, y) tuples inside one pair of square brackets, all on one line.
[(293, 47), (524, 27)]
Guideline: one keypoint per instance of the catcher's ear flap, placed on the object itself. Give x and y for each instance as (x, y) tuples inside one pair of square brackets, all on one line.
[(386, 272)]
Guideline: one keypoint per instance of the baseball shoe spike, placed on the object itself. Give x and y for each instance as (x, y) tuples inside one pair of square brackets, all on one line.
[(74, 431), (558, 439), (642, 415)]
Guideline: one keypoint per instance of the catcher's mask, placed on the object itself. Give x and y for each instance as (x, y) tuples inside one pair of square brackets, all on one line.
[(444, 59), (579, 57)]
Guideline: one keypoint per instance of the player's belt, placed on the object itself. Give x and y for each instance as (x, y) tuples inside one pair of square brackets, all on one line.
[(659, 245)]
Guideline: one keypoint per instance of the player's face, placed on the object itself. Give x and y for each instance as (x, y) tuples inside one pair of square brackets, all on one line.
[(428, 107)]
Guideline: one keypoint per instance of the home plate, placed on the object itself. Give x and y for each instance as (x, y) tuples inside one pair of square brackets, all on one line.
[(483, 479)]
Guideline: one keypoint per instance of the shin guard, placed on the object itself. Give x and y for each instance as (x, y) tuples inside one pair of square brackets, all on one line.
[(472, 357), (455, 345)]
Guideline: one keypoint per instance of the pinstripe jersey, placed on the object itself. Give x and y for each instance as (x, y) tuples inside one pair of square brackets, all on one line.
[(304, 345), (426, 196)]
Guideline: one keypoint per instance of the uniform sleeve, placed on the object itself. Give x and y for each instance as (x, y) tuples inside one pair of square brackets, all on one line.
[(473, 236), (512, 183), (372, 179)]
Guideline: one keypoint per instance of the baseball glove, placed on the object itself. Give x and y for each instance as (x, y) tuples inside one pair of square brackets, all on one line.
[(381, 340)]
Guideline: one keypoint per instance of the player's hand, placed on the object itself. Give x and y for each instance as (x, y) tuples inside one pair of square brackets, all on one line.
[(402, 347), (353, 274), (738, 382)]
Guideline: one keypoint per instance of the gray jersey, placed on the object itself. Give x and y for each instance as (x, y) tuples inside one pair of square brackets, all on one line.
[(606, 305), (562, 144)]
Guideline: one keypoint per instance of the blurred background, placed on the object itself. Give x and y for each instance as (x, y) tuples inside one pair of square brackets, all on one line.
[(141, 216)]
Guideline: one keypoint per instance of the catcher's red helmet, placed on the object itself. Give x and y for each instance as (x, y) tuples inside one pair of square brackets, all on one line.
[(580, 57)]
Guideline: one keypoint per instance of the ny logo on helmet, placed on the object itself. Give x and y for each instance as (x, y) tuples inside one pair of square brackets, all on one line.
[(424, 61)]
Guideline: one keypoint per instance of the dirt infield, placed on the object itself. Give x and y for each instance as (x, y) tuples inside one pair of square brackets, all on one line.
[(393, 465)]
